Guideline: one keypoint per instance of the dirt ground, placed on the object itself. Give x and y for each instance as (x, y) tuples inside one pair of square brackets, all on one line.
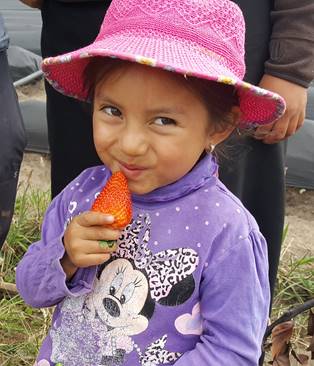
[(35, 171), (32, 91), (300, 218)]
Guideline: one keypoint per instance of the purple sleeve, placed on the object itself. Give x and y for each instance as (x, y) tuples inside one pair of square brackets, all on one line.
[(40, 278), (234, 304)]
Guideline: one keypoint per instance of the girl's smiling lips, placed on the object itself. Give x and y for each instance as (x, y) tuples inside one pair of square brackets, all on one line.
[(131, 171)]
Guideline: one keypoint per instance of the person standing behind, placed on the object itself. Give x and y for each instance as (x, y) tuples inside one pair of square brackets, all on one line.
[(68, 25), (279, 57), (12, 139)]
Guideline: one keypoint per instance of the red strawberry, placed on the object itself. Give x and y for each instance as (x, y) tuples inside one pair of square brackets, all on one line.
[(115, 200)]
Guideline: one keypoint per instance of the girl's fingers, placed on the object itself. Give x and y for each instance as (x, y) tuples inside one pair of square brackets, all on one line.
[(87, 253), (109, 246), (90, 218), (92, 259), (100, 233), (99, 246)]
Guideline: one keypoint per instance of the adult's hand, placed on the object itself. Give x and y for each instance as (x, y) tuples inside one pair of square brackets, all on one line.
[(33, 3), (296, 98)]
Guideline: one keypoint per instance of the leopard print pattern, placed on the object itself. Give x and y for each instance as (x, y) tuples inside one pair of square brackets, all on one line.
[(164, 269)]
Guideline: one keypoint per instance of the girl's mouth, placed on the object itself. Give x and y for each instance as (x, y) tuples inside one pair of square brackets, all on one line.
[(131, 171)]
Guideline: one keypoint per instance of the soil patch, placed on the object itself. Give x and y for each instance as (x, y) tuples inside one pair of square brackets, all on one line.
[(35, 90)]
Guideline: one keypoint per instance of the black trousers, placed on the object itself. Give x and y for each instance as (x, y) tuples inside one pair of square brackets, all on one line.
[(66, 27), (12, 144), (255, 171), (256, 176)]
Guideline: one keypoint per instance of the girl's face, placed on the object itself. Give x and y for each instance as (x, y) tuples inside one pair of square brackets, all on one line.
[(149, 126)]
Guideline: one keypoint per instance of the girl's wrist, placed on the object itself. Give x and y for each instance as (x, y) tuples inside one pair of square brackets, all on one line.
[(68, 267)]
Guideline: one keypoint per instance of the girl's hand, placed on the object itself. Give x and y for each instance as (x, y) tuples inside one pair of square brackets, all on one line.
[(81, 241)]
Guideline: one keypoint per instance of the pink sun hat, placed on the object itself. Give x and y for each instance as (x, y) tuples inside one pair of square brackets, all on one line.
[(198, 38)]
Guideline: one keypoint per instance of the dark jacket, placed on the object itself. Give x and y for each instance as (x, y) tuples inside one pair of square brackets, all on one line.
[(12, 139), (279, 39)]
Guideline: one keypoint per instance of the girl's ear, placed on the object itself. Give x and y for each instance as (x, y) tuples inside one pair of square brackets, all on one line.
[(219, 136), (236, 115)]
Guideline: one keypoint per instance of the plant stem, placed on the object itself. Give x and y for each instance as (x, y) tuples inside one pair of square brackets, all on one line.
[(289, 315)]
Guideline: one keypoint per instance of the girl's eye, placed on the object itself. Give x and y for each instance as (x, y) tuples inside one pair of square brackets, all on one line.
[(112, 111), (164, 121)]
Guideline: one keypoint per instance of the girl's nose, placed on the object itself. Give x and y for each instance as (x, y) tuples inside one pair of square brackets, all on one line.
[(133, 141)]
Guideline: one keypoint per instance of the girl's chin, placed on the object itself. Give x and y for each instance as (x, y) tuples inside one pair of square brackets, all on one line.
[(139, 189)]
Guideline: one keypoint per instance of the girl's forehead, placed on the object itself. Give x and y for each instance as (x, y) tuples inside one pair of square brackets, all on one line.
[(130, 71), (136, 78)]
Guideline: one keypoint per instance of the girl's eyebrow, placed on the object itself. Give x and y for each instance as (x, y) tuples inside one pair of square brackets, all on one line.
[(104, 98), (166, 110), (101, 98)]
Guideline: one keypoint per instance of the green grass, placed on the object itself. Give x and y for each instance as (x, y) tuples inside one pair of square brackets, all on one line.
[(295, 282), (25, 229), (23, 328), (21, 331), (295, 285)]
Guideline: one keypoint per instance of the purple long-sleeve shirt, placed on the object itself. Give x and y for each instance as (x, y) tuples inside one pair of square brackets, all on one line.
[(187, 286)]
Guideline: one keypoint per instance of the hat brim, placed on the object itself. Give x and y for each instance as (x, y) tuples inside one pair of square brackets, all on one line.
[(65, 72)]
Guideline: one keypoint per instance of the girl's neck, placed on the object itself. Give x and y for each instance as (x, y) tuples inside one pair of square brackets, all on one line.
[(204, 171)]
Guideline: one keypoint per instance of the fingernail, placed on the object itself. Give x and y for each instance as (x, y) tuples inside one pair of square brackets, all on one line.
[(110, 245), (109, 218)]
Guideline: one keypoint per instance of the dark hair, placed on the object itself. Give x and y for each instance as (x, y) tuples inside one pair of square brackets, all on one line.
[(219, 98)]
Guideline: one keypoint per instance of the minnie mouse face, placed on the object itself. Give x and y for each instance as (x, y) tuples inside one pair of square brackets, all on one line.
[(120, 295)]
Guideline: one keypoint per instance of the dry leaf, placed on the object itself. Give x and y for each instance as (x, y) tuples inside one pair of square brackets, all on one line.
[(282, 360), (311, 348), (310, 327), (302, 359), (281, 336), (310, 331)]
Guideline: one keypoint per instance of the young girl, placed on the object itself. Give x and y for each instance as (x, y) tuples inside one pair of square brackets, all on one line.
[(188, 282)]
